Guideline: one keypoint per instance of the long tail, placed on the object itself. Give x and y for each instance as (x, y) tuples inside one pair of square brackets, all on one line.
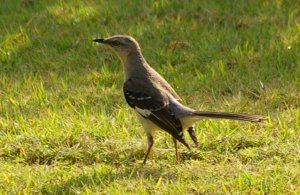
[(229, 115)]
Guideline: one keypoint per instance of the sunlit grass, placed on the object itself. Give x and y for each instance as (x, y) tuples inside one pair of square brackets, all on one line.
[(66, 13), (12, 42)]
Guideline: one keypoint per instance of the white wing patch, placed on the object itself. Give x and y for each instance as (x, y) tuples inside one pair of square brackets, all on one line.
[(138, 98), (144, 98), (143, 112)]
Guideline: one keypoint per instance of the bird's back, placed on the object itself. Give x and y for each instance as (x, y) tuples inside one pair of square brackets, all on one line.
[(160, 81)]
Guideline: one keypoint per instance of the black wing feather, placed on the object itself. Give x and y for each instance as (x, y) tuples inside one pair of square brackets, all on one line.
[(160, 114)]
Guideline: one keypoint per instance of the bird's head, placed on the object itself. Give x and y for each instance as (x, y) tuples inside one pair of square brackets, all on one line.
[(122, 44)]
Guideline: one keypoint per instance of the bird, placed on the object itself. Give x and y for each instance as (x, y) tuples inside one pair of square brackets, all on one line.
[(155, 102)]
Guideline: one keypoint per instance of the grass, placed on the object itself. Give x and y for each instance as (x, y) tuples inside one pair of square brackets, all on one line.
[(65, 127)]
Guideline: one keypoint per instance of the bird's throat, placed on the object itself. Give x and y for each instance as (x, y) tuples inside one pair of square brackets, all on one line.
[(134, 64)]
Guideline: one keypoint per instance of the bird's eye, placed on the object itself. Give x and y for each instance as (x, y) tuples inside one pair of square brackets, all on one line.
[(116, 43)]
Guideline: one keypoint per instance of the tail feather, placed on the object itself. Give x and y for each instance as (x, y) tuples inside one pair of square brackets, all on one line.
[(229, 115)]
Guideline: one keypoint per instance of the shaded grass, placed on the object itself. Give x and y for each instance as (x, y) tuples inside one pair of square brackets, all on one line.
[(65, 127)]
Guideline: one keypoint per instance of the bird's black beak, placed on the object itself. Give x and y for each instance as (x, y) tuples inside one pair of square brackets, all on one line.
[(100, 40)]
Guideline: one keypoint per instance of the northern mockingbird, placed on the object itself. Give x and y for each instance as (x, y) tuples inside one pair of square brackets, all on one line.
[(156, 103)]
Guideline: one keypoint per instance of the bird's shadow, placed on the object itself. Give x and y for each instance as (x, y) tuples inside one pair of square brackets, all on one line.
[(102, 175), (102, 178)]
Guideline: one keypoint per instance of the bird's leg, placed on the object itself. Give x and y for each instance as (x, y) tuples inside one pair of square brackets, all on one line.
[(193, 135), (176, 150), (150, 144)]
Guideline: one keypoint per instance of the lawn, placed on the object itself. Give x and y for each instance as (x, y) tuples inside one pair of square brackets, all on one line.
[(65, 127)]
